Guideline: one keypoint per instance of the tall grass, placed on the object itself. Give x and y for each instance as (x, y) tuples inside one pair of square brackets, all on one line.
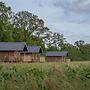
[(45, 76)]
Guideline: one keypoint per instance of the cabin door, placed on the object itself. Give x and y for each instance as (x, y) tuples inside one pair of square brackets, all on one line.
[(42, 59)]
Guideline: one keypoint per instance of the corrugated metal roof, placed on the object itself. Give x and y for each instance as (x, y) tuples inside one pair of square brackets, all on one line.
[(12, 46), (33, 49), (56, 53)]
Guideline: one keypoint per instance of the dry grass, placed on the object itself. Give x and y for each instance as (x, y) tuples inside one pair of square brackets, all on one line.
[(45, 76)]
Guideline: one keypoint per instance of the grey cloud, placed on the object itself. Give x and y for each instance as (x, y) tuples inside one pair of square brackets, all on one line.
[(76, 6)]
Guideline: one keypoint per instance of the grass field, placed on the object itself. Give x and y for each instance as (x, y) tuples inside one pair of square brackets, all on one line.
[(45, 76)]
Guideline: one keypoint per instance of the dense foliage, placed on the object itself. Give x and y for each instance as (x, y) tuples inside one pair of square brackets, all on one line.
[(45, 76), (23, 26)]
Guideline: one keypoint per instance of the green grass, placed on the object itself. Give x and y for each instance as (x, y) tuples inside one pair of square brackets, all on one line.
[(45, 76)]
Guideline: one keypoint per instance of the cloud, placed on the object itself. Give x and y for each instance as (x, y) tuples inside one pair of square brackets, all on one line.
[(77, 11), (73, 5), (80, 6)]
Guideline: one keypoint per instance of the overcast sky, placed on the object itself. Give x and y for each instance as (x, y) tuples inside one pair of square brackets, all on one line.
[(69, 17)]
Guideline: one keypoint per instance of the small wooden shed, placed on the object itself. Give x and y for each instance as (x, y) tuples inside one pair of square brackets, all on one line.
[(55, 56)]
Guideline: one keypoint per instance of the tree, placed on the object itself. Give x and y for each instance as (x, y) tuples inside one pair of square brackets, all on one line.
[(85, 51), (5, 25), (28, 27), (56, 42), (74, 52), (79, 43)]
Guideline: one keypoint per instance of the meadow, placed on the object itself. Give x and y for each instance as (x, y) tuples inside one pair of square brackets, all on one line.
[(45, 76)]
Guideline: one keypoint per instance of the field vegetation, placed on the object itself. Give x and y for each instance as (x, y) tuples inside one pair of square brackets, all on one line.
[(45, 76)]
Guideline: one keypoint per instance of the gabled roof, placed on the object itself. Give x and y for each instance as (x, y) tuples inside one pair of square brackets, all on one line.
[(56, 53), (34, 49), (12, 46)]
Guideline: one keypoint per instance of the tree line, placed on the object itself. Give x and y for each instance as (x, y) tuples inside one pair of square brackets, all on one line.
[(26, 27)]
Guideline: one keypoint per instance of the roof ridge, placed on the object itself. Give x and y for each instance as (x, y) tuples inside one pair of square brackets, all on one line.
[(33, 45), (57, 51), (12, 42)]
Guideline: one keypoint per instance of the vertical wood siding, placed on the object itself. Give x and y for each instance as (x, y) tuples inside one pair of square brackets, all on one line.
[(55, 59)]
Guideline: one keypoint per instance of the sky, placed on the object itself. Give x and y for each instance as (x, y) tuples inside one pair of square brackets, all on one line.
[(68, 17)]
